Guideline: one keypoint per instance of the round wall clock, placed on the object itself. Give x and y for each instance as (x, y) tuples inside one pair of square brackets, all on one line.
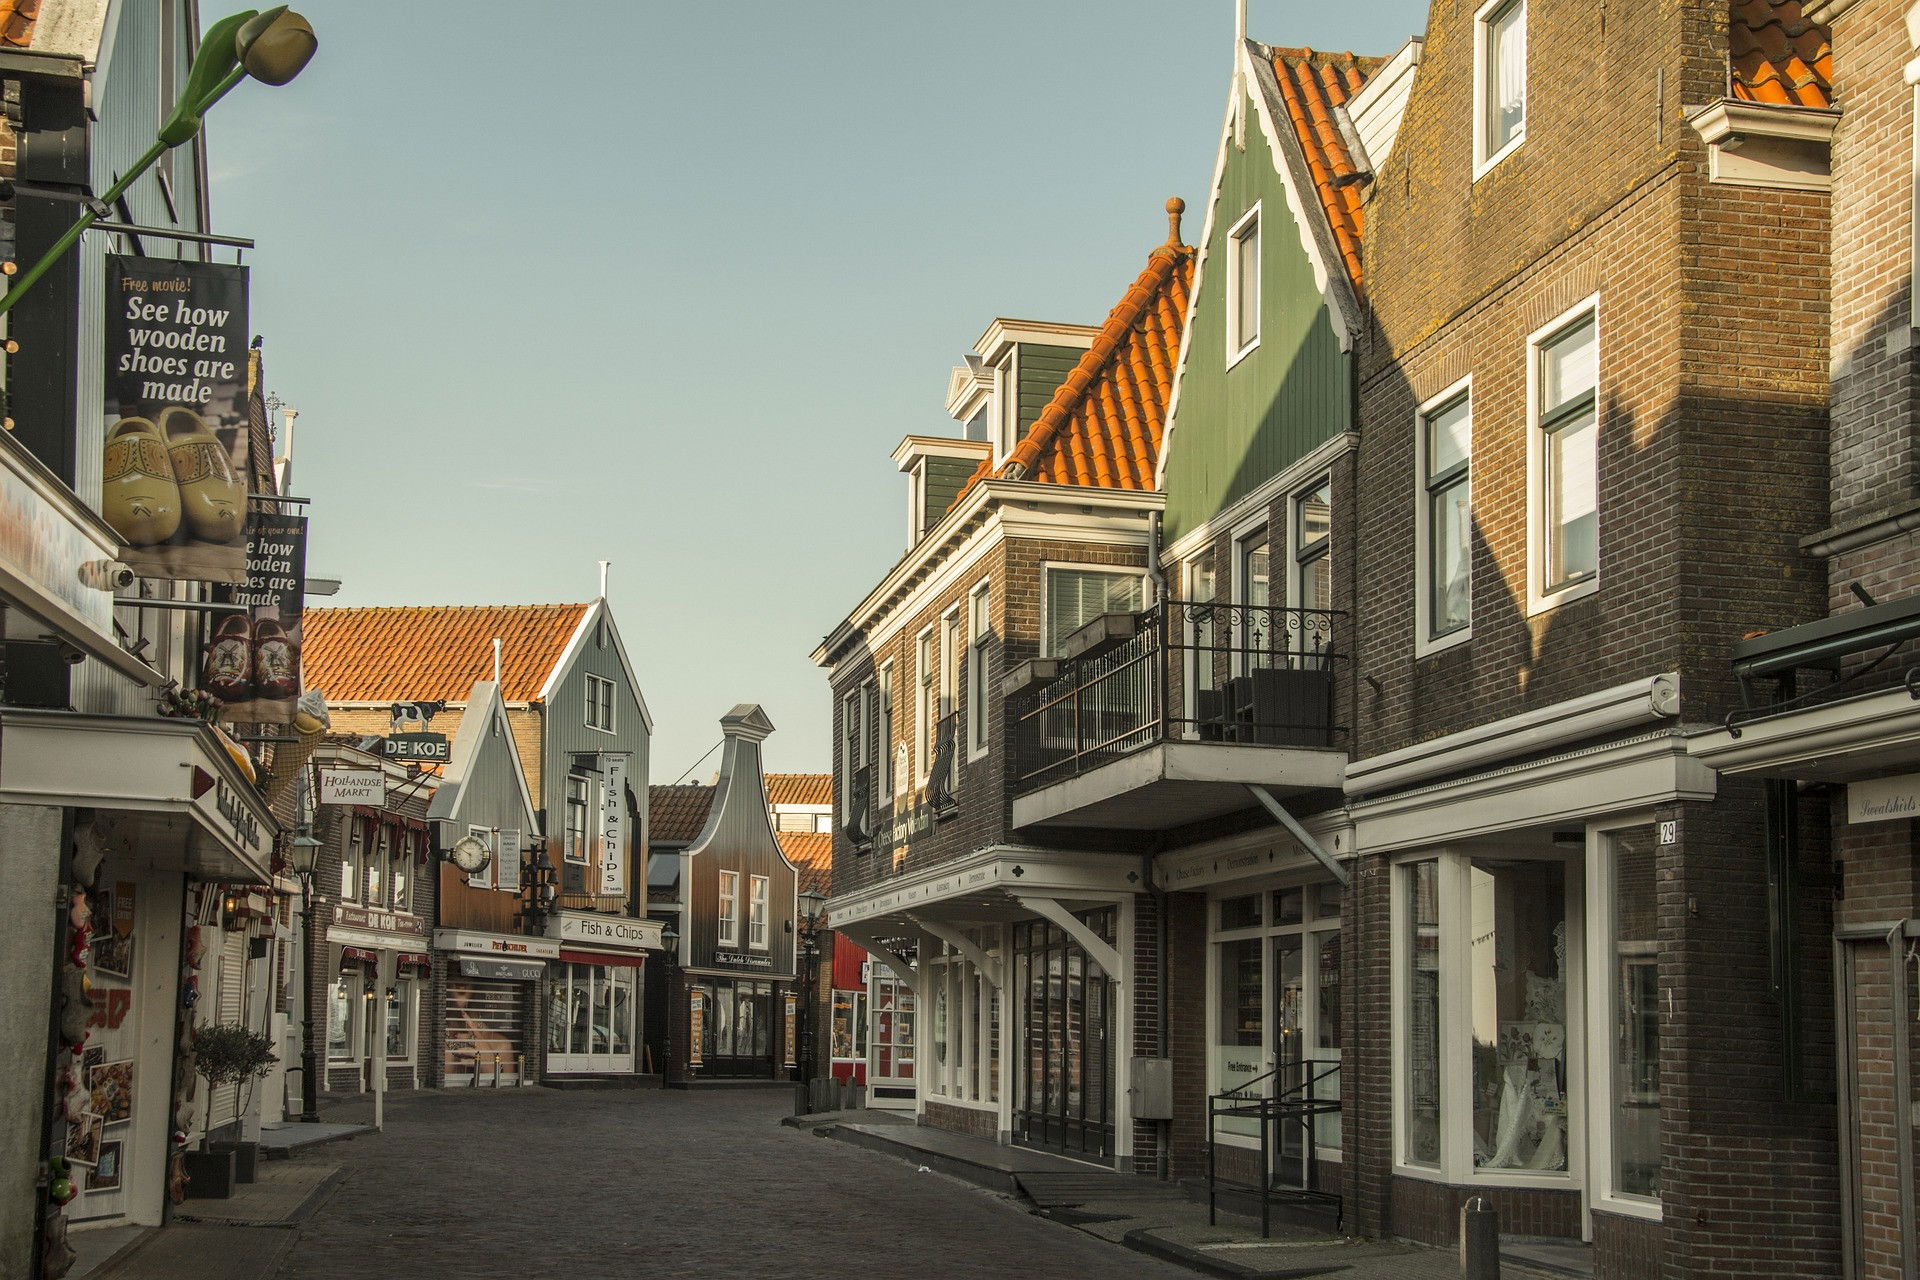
[(470, 853)]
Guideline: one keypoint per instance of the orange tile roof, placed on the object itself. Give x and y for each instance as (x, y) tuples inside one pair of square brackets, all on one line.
[(799, 788), (434, 653), (812, 852), (1103, 425), (16, 22), (1778, 56), (1312, 84), (676, 814)]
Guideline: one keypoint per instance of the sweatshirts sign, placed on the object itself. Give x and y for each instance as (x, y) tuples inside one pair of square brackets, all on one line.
[(174, 475)]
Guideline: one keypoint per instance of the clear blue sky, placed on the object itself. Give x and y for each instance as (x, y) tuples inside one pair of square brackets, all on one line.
[(664, 283)]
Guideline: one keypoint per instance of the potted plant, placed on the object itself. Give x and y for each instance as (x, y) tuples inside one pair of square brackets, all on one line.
[(223, 1054)]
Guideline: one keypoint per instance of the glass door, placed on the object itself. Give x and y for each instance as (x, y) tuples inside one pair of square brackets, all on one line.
[(1065, 1101), (890, 1042)]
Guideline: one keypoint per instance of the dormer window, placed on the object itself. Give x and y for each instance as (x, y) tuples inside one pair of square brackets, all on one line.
[(1500, 75), (1006, 409), (1243, 286)]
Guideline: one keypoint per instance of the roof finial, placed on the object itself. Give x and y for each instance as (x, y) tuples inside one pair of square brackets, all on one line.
[(1239, 25), (1175, 207)]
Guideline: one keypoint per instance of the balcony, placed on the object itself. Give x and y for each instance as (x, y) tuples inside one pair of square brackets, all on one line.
[(1164, 718)]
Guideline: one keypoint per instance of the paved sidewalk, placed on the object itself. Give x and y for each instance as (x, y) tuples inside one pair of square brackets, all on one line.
[(283, 1194)]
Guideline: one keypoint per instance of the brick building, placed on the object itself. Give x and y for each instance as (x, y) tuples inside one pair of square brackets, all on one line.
[(1032, 958), (1830, 729)]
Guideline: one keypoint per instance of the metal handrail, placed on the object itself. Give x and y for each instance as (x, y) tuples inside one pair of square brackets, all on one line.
[(1295, 1103)]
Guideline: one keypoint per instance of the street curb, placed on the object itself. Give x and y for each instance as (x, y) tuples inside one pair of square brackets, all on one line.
[(286, 1152), (320, 1194), (1142, 1240), (991, 1179)]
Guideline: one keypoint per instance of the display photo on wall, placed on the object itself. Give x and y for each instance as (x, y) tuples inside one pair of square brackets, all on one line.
[(252, 663), (174, 475), (111, 1086), (105, 1175), (83, 1140), (113, 925)]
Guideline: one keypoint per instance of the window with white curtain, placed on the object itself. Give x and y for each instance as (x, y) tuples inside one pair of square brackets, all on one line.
[(1446, 454), (1501, 62), (1076, 597), (1566, 443)]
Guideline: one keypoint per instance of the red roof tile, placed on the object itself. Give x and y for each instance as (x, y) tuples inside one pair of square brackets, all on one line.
[(1103, 425), (1312, 84), (434, 653), (1778, 56), (675, 815), (799, 788), (812, 852), (16, 22)]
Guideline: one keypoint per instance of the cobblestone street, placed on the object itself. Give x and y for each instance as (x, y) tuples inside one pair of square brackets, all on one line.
[(533, 1183)]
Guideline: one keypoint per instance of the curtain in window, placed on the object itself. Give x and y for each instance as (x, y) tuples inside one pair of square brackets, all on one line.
[(1507, 75)]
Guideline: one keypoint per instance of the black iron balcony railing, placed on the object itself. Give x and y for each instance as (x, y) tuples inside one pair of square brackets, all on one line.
[(1189, 672), (943, 780)]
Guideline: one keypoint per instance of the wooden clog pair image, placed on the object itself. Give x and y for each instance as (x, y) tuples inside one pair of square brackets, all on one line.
[(247, 661), (158, 476), (227, 673), (212, 499), (138, 495)]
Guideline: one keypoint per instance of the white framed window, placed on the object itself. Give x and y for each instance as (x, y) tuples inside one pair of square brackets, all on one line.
[(399, 872), (1243, 286), (757, 912), (1500, 81), (1444, 522), (979, 630), (351, 858), (378, 859), (484, 877), (579, 809), (1204, 631), (916, 502), (1488, 992), (729, 909), (885, 780), (870, 748), (963, 1026), (345, 996), (1253, 587), (1563, 464), (599, 692), (924, 700), (1006, 406), (1623, 993), (1313, 547), (1076, 596)]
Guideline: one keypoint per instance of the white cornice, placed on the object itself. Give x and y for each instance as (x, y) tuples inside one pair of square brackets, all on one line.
[(1640, 702), (1003, 333), (1003, 508), (913, 448), (1731, 119), (1825, 11)]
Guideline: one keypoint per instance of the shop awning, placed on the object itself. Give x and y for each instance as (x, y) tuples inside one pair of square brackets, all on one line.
[(416, 960), (351, 955), (603, 958), (169, 783)]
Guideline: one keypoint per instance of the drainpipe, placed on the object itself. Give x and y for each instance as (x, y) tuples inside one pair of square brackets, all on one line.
[(1155, 578), (1162, 1042)]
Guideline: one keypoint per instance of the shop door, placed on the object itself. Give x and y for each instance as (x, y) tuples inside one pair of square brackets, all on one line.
[(1305, 987), (1065, 1103), (486, 1035), (590, 1026), (739, 1036), (1876, 990), (890, 1070)]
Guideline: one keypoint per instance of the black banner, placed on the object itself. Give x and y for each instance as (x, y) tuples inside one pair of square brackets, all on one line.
[(253, 660), (174, 483)]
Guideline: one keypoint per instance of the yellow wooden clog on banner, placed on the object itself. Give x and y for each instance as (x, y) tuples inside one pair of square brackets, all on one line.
[(138, 494), (214, 500)]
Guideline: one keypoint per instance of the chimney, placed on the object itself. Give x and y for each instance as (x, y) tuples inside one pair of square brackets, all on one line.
[(604, 566), (496, 659)]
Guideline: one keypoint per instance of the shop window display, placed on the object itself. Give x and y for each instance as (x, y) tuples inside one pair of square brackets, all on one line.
[(1518, 958), (1635, 976), (1422, 970)]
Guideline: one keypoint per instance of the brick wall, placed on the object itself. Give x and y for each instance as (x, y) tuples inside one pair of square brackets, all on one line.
[(978, 1122), (1187, 998)]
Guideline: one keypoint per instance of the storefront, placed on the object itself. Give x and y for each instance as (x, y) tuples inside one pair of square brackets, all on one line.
[(491, 1004), (594, 994), (747, 1026), (155, 816), (379, 973), (848, 1009), (890, 1053)]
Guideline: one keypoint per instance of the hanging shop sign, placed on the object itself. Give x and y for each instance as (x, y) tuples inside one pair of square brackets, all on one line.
[(613, 827), (790, 1038), (347, 915), (696, 1025), (429, 748), (612, 933), (1884, 799), (175, 473), (353, 786), (252, 663)]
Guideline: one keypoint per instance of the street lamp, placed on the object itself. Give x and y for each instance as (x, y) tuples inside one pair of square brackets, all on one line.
[(669, 953), (272, 46), (306, 861), (813, 910)]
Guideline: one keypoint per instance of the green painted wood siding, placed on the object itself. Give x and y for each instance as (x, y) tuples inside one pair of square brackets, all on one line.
[(945, 477), (1235, 428), (1041, 370)]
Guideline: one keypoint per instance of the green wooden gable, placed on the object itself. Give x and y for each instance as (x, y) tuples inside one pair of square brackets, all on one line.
[(1235, 428)]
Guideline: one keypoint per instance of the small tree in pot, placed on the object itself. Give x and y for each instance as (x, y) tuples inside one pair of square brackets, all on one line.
[(226, 1053)]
